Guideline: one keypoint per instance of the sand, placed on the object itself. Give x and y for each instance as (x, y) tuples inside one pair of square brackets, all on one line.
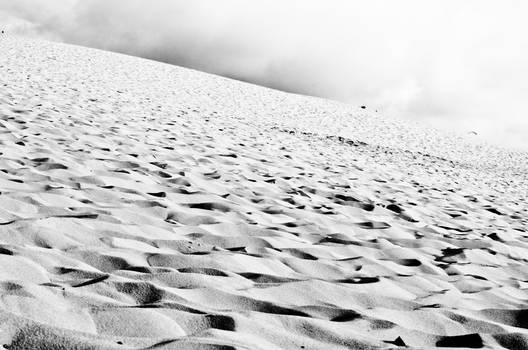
[(147, 206)]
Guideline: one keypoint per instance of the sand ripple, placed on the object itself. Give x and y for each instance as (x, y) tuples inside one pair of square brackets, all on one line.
[(145, 206)]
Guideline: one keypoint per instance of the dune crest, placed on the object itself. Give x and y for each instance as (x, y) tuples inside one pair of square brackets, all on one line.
[(148, 206)]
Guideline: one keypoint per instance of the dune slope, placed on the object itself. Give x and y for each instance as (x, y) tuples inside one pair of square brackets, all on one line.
[(147, 206)]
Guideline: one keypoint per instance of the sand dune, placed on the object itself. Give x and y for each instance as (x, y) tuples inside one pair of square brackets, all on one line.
[(147, 206)]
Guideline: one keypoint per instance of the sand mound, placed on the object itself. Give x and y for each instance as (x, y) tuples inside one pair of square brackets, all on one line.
[(147, 206)]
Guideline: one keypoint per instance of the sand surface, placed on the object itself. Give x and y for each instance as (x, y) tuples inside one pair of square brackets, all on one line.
[(147, 206)]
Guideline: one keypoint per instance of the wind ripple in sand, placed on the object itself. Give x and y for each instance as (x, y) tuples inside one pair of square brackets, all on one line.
[(148, 206)]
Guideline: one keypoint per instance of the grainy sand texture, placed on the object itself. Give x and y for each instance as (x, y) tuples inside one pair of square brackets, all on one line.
[(147, 206)]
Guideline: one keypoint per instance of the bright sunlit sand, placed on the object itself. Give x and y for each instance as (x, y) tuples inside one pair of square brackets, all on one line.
[(147, 206)]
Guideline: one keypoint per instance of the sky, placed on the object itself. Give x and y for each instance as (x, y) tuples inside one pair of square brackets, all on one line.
[(454, 64)]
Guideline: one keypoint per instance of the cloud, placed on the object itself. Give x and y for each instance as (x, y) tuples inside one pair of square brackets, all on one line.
[(461, 65)]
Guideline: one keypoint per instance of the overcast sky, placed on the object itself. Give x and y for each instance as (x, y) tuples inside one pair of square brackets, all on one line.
[(460, 64)]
